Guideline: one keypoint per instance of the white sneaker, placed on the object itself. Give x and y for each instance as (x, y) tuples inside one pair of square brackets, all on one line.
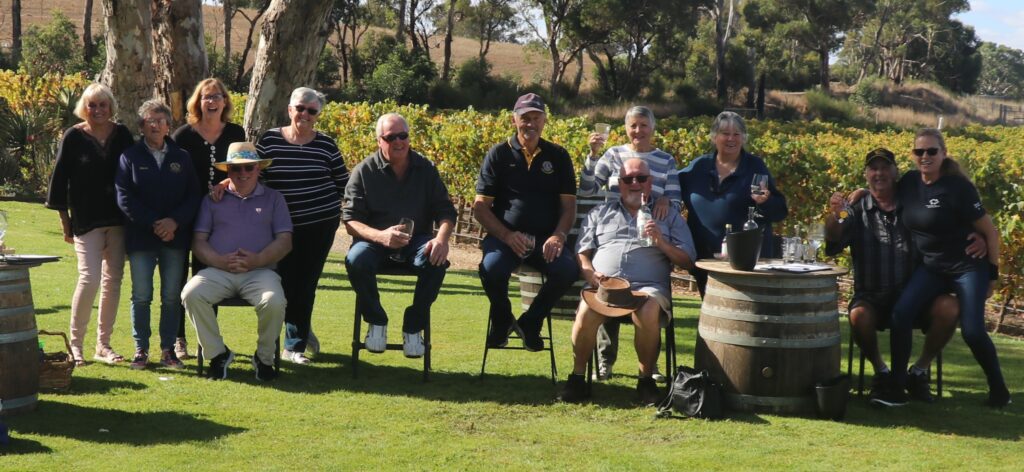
[(296, 357), (313, 344), (602, 373), (658, 376), (412, 344), (377, 338)]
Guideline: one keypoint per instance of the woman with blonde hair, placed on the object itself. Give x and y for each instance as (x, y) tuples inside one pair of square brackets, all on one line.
[(82, 192)]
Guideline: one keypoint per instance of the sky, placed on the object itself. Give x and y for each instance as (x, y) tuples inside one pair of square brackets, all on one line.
[(997, 21)]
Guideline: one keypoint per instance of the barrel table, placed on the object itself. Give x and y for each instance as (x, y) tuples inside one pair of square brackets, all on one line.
[(769, 336), (19, 341)]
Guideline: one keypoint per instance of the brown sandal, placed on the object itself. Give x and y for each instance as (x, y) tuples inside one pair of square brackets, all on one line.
[(107, 354)]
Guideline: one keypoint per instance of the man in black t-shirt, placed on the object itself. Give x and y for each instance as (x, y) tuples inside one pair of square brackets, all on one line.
[(526, 200)]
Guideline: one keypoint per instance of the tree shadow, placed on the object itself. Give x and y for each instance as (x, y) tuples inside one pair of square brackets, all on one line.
[(962, 414), (90, 385), (19, 446), (53, 309), (109, 426)]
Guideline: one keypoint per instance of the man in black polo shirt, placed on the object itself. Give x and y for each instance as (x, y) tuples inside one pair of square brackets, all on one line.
[(883, 259), (394, 183), (526, 192)]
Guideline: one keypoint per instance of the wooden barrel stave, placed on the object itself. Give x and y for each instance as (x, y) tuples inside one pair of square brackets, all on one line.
[(19, 343)]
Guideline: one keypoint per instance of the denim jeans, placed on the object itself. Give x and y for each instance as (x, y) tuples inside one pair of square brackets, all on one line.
[(923, 287), (496, 268), (364, 260), (172, 267)]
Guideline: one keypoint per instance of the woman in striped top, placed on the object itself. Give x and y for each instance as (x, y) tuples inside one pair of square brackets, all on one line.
[(309, 172)]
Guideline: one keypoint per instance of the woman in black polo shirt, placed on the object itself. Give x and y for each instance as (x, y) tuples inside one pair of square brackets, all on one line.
[(941, 208)]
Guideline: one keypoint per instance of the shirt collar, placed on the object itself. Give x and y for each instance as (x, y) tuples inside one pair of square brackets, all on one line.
[(255, 192)]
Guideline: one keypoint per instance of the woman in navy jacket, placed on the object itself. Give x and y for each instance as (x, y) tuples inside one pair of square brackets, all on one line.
[(157, 191), (716, 191)]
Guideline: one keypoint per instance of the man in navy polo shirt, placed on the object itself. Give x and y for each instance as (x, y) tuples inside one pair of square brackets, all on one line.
[(526, 200)]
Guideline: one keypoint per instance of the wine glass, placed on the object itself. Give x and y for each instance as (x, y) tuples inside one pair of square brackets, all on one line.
[(816, 236), (3, 231), (531, 243), (407, 225), (758, 184)]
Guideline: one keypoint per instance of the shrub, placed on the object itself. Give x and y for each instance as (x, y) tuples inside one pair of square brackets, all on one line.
[(822, 106), (53, 48), (870, 91)]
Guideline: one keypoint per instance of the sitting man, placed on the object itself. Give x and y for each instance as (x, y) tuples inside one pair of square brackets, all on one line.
[(610, 251), (883, 259), (391, 184), (240, 239), (525, 197)]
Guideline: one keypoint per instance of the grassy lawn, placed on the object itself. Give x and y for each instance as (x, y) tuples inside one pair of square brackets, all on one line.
[(318, 417)]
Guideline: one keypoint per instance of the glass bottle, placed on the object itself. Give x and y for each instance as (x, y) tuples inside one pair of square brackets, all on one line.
[(725, 247), (750, 224), (642, 217)]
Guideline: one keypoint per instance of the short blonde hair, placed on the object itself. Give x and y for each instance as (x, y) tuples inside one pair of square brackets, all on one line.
[(93, 91), (195, 102)]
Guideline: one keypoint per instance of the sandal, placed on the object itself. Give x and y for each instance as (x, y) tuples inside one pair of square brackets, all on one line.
[(107, 354), (77, 357)]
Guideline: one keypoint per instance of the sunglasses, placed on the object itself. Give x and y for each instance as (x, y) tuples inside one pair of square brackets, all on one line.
[(392, 137), (241, 167), (931, 151), (303, 108), (634, 178), (213, 97)]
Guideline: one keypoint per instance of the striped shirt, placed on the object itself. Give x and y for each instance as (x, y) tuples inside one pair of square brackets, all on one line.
[(883, 254), (312, 176), (604, 172)]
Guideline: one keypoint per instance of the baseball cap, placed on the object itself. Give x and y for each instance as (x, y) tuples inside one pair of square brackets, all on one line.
[(527, 103), (880, 153)]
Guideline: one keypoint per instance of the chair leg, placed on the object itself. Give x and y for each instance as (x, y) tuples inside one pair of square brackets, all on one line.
[(849, 354), (938, 374), (670, 349), (199, 359), (551, 349), (483, 366), (356, 343), (860, 377), (591, 366), (277, 355), (426, 351)]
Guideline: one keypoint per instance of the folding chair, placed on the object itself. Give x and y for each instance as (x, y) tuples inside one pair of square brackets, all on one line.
[(237, 302), (669, 345), (860, 376), (357, 340), (549, 344)]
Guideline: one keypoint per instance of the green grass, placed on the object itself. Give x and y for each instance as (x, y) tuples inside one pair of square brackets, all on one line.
[(319, 417)]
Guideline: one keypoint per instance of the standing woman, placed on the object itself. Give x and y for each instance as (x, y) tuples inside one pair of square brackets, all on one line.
[(82, 192), (206, 138), (156, 190), (309, 172), (716, 190), (941, 208)]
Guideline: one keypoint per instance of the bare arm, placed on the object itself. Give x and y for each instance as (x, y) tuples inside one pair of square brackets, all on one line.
[(674, 253), (437, 248), (202, 249), (587, 268)]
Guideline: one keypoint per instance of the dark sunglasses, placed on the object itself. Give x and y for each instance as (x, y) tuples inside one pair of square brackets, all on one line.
[(636, 178), (303, 108), (931, 151), (392, 137), (241, 167)]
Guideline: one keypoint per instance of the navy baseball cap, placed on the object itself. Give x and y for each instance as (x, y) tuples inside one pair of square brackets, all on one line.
[(527, 103)]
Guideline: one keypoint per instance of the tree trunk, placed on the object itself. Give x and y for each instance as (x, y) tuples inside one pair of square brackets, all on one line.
[(760, 96), (577, 81), (823, 69), (723, 28), (752, 85), (446, 70), (555, 66), (229, 14), (15, 32), (240, 73), (179, 52), (293, 34), (400, 30), (129, 67), (88, 48)]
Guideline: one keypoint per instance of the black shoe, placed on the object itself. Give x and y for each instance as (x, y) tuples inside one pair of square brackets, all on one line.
[(575, 390), (529, 331), (497, 337), (891, 396), (263, 372), (918, 387), (647, 391), (879, 384), (998, 398), (219, 365)]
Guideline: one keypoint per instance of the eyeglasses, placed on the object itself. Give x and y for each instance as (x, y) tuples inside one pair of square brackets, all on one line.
[(241, 167), (156, 121), (629, 180), (392, 137), (98, 105), (931, 151), (213, 97), (303, 108)]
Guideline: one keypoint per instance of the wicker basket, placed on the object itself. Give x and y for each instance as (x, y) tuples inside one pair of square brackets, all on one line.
[(55, 373)]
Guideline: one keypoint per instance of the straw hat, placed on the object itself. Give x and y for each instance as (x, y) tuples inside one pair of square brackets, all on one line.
[(612, 297), (242, 153)]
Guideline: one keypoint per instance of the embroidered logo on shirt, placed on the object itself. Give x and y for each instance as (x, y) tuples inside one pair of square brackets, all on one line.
[(175, 167), (259, 210), (933, 203), (977, 205), (547, 168)]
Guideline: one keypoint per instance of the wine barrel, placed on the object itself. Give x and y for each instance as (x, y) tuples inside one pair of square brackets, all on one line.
[(769, 337), (529, 285), (19, 343)]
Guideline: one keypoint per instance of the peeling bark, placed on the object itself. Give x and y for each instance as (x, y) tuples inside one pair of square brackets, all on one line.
[(129, 67), (180, 53)]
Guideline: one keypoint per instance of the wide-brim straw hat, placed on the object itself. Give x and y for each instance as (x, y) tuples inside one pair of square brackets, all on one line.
[(242, 153), (612, 297)]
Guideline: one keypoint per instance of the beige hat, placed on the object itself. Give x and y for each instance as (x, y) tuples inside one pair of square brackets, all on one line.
[(242, 153), (612, 297)]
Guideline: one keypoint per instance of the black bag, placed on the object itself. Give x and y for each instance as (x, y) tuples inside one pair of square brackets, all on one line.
[(693, 394)]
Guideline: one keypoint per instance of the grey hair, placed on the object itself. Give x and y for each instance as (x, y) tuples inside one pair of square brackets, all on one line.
[(726, 119), (153, 106), (390, 116), (95, 90), (306, 95), (643, 165), (642, 112)]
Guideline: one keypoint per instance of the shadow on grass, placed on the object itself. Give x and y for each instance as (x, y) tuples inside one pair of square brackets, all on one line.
[(53, 309), (962, 414), (19, 446), (405, 284), (82, 423), (89, 385)]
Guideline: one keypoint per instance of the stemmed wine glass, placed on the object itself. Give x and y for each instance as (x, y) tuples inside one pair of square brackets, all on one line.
[(531, 242), (3, 231), (757, 187), (407, 225)]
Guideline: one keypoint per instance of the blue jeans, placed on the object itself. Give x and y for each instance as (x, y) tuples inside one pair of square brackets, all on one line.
[(499, 261), (923, 287), (172, 269), (364, 260)]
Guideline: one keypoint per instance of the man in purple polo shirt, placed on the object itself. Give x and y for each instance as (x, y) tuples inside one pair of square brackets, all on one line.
[(240, 238)]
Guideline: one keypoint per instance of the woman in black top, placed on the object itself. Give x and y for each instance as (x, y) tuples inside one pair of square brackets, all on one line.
[(940, 206), (82, 192), (310, 174), (206, 138)]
